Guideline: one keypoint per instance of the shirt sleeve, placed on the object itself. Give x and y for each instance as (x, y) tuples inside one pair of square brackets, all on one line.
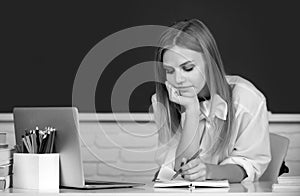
[(252, 147)]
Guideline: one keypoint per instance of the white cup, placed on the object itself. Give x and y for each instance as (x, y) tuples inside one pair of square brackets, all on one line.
[(36, 171)]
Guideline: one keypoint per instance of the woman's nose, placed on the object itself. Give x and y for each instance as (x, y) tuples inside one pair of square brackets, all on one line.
[(179, 78)]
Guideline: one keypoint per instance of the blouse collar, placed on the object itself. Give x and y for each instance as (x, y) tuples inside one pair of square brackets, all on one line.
[(214, 107)]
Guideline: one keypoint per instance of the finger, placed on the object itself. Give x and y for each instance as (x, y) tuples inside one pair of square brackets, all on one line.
[(191, 164), (194, 170), (201, 175), (188, 92), (180, 99), (173, 93), (176, 98), (168, 86)]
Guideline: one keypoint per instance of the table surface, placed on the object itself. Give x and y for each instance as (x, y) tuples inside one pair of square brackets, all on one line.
[(256, 188)]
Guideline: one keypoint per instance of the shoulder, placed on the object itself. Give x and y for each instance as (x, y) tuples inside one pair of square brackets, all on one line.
[(245, 96)]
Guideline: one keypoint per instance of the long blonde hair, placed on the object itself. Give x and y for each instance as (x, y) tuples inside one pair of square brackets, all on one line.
[(194, 35)]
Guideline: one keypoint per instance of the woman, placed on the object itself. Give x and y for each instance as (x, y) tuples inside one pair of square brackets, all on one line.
[(198, 107)]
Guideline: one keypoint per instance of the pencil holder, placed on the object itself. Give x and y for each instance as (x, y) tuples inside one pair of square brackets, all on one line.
[(36, 171)]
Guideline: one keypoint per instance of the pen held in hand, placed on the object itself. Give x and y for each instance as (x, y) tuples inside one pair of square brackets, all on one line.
[(180, 170)]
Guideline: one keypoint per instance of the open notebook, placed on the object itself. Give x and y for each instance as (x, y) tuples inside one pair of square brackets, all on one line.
[(165, 174)]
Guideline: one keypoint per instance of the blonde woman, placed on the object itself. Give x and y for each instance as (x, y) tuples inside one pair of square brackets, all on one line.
[(197, 107)]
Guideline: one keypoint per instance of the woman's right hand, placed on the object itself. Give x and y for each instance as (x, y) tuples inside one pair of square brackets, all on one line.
[(187, 98), (195, 170)]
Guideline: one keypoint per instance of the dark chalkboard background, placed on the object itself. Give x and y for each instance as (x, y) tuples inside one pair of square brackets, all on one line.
[(43, 43)]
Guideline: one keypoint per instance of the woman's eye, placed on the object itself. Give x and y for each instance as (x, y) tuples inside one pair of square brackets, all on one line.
[(189, 68), (169, 71)]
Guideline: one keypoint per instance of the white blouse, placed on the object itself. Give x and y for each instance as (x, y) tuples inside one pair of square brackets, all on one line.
[(250, 145)]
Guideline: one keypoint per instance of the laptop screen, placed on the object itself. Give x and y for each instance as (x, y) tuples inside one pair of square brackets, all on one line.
[(67, 141)]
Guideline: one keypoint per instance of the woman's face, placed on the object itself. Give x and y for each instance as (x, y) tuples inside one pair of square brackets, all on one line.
[(184, 68)]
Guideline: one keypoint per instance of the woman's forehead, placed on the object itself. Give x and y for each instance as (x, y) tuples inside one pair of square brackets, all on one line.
[(176, 56)]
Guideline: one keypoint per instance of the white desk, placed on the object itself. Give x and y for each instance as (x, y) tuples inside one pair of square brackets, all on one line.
[(257, 188)]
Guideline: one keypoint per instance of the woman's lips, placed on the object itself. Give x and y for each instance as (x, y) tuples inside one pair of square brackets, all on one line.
[(182, 87), (185, 88)]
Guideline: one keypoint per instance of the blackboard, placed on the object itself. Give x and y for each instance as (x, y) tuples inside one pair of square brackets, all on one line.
[(43, 44)]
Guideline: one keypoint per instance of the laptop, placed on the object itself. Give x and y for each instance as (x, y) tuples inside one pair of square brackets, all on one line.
[(67, 143)]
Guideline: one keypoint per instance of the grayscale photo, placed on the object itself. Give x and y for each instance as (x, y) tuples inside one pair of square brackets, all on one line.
[(149, 97)]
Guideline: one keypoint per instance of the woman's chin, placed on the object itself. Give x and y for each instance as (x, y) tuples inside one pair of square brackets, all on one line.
[(186, 94)]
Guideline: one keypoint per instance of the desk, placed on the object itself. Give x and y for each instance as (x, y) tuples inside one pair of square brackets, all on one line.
[(256, 188)]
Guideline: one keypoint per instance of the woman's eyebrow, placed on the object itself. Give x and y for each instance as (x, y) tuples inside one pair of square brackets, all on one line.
[(168, 66), (185, 63)]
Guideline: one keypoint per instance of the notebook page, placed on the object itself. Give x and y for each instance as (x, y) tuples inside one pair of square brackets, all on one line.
[(164, 180)]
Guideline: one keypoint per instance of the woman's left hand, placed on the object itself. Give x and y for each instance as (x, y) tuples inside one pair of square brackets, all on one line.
[(195, 170), (187, 97)]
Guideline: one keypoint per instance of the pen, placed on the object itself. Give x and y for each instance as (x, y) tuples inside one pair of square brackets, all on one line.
[(48, 143), (26, 144), (52, 141), (45, 142), (33, 139), (155, 175), (41, 135), (193, 157), (27, 138), (38, 141)]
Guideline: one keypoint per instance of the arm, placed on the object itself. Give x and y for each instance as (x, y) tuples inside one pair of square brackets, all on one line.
[(233, 173), (252, 147), (165, 153), (197, 170), (250, 155), (189, 141)]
